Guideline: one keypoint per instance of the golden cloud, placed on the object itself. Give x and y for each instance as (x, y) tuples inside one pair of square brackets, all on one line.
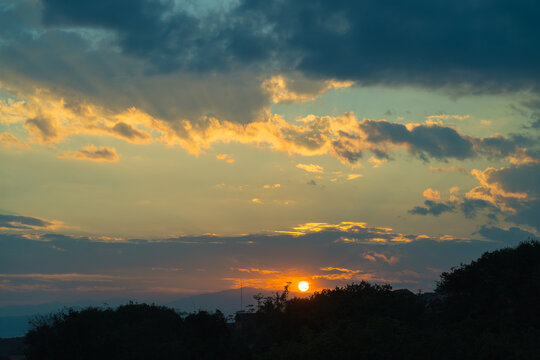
[(493, 192), (226, 157), (311, 168), (279, 89), (9, 140), (431, 194)]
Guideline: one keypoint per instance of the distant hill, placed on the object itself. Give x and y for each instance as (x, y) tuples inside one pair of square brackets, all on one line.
[(14, 319)]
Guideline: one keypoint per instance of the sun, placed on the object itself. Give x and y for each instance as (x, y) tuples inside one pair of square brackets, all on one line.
[(303, 286)]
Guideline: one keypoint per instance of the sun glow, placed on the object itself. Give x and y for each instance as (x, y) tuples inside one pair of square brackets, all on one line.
[(303, 286)]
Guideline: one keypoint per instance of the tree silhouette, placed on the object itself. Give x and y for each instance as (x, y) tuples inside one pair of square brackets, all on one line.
[(488, 309)]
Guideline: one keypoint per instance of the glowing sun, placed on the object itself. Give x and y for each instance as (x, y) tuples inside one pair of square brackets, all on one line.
[(303, 286)]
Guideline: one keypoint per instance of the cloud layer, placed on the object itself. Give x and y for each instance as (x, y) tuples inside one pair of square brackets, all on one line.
[(49, 266), (392, 42)]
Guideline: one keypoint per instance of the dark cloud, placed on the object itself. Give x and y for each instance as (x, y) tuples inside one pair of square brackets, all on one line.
[(502, 146), (489, 45), (129, 132), (470, 207), (518, 178), (512, 235), (86, 65), (42, 129), (432, 208), (18, 222), (436, 141), (60, 266), (535, 124), (523, 180), (92, 153), (513, 192)]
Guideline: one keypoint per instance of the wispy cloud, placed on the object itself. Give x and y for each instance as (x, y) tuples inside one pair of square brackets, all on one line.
[(92, 153), (313, 168), (279, 89), (72, 277), (228, 158), (25, 223), (448, 169), (9, 140)]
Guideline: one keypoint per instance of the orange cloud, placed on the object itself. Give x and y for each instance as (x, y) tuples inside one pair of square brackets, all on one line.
[(447, 117), (350, 226), (340, 269), (257, 270), (376, 161), (274, 186), (373, 256), (24, 223), (9, 140), (49, 119), (522, 157), (431, 194), (311, 168), (279, 89), (225, 157), (492, 192)]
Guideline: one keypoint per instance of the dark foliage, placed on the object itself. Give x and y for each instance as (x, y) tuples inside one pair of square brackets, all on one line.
[(133, 331), (487, 309), (502, 285)]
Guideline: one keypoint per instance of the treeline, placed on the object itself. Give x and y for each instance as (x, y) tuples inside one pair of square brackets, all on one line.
[(488, 309)]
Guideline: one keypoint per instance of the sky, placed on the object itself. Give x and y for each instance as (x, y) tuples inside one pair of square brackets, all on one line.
[(154, 149)]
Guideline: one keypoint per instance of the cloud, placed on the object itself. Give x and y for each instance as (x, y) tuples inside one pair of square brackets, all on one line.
[(256, 201), (24, 223), (9, 140), (431, 194), (510, 235), (228, 158), (353, 176), (432, 208), (43, 130), (414, 45), (437, 141), (471, 207), (128, 132), (311, 168), (438, 118), (92, 153), (376, 161), (325, 254), (274, 186), (448, 169), (279, 89), (345, 137), (512, 192), (71, 277), (257, 270), (373, 256)]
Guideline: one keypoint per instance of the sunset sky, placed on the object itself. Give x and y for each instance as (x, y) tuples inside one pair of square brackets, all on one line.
[(155, 149)]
